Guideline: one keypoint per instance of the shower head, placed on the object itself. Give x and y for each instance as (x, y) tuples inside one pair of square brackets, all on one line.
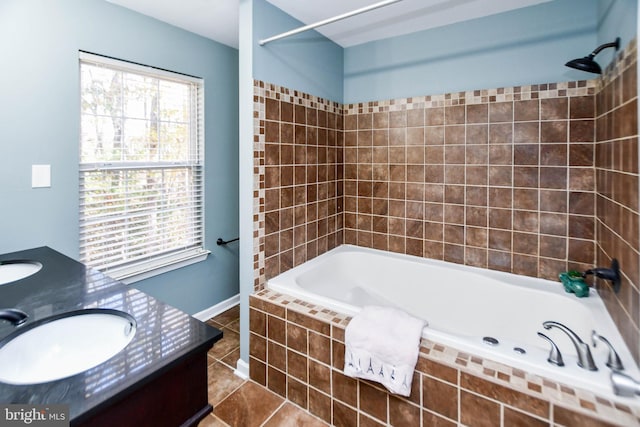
[(587, 63)]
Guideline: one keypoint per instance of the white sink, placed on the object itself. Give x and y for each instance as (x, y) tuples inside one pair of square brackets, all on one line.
[(50, 350), (10, 271)]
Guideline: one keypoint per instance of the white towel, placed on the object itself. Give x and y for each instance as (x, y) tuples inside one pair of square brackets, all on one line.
[(382, 344)]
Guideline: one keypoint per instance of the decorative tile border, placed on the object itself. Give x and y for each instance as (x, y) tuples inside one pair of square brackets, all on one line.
[(624, 58), (507, 94), (575, 399), (271, 91), (258, 184)]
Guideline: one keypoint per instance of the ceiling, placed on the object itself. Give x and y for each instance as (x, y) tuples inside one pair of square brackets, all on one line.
[(218, 19)]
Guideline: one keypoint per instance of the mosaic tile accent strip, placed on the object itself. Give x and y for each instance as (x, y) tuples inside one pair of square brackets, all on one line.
[(258, 186), (474, 97), (624, 59), (279, 93), (440, 370)]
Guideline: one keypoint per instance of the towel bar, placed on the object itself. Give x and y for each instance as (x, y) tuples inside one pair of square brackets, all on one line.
[(220, 242)]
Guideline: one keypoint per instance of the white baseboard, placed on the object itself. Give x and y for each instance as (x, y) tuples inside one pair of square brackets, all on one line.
[(221, 307), (242, 369)]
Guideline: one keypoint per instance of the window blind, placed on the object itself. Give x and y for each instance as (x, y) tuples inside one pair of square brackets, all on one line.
[(141, 166)]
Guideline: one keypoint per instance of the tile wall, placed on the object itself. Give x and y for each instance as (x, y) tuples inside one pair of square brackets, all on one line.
[(533, 180), (298, 166), (617, 207), (499, 179), (297, 351)]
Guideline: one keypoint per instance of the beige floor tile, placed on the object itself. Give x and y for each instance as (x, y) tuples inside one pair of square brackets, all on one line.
[(248, 406), (229, 342), (231, 359), (234, 326), (228, 316), (292, 416), (212, 421), (221, 382)]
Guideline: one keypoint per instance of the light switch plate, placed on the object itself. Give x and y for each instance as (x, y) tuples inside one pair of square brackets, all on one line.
[(40, 176)]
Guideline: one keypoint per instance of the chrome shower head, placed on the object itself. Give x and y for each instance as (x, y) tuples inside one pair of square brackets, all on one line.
[(587, 63)]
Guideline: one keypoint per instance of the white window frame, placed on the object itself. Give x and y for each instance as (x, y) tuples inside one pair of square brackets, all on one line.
[(136, 270)]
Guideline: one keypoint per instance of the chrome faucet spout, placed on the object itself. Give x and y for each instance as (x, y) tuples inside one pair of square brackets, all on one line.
[(585, 359), (624, 385), (13, 315)]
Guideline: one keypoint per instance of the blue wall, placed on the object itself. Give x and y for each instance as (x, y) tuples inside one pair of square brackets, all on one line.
[(616, 18), (520, 47), (245, 175), (39, 124), (308, 62)]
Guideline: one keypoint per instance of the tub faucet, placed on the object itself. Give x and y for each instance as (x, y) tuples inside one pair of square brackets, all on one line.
[(624, 385), (611, 274), (613, 361), (13, 315), (585, 360), (555, 356)]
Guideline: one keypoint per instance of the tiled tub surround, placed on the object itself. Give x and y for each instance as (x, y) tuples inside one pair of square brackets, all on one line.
[(298, 167), (509, 185), (617, 206), (297, 351), (498, 179)]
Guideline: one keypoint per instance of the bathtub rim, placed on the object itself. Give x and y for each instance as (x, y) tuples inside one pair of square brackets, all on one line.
[(273, 303), (523, 281), (568, 375)]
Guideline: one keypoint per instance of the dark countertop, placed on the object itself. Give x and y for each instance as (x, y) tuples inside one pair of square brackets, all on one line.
[(164, 335)]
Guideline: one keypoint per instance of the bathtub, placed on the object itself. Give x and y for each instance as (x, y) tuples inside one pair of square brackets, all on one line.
[(463, 305)]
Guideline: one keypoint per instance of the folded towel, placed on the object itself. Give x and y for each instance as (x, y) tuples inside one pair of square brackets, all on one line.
[(382, 344)]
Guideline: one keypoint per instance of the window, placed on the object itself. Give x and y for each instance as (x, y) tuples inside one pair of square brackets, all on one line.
[(141, 168)]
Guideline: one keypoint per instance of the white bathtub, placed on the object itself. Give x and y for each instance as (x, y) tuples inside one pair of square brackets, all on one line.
[(464, 304)]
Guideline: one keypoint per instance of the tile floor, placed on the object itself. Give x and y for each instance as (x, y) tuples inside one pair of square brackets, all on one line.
[(244, 403)]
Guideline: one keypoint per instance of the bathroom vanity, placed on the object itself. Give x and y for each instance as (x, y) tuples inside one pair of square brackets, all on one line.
[(159, 378)]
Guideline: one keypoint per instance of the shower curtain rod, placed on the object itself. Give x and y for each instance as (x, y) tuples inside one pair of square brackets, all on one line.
[(328, 21)]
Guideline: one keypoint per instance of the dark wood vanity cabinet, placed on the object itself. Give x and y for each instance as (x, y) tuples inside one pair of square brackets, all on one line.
[(176, 397)]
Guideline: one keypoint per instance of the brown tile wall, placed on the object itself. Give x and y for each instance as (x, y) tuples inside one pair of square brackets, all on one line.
[(297, 351), (617, 206), (501, 182), (299, 164), (502, 179)]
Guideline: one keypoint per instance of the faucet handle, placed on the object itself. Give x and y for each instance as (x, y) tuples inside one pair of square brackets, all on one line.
[(555, 357), (613, 361)]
